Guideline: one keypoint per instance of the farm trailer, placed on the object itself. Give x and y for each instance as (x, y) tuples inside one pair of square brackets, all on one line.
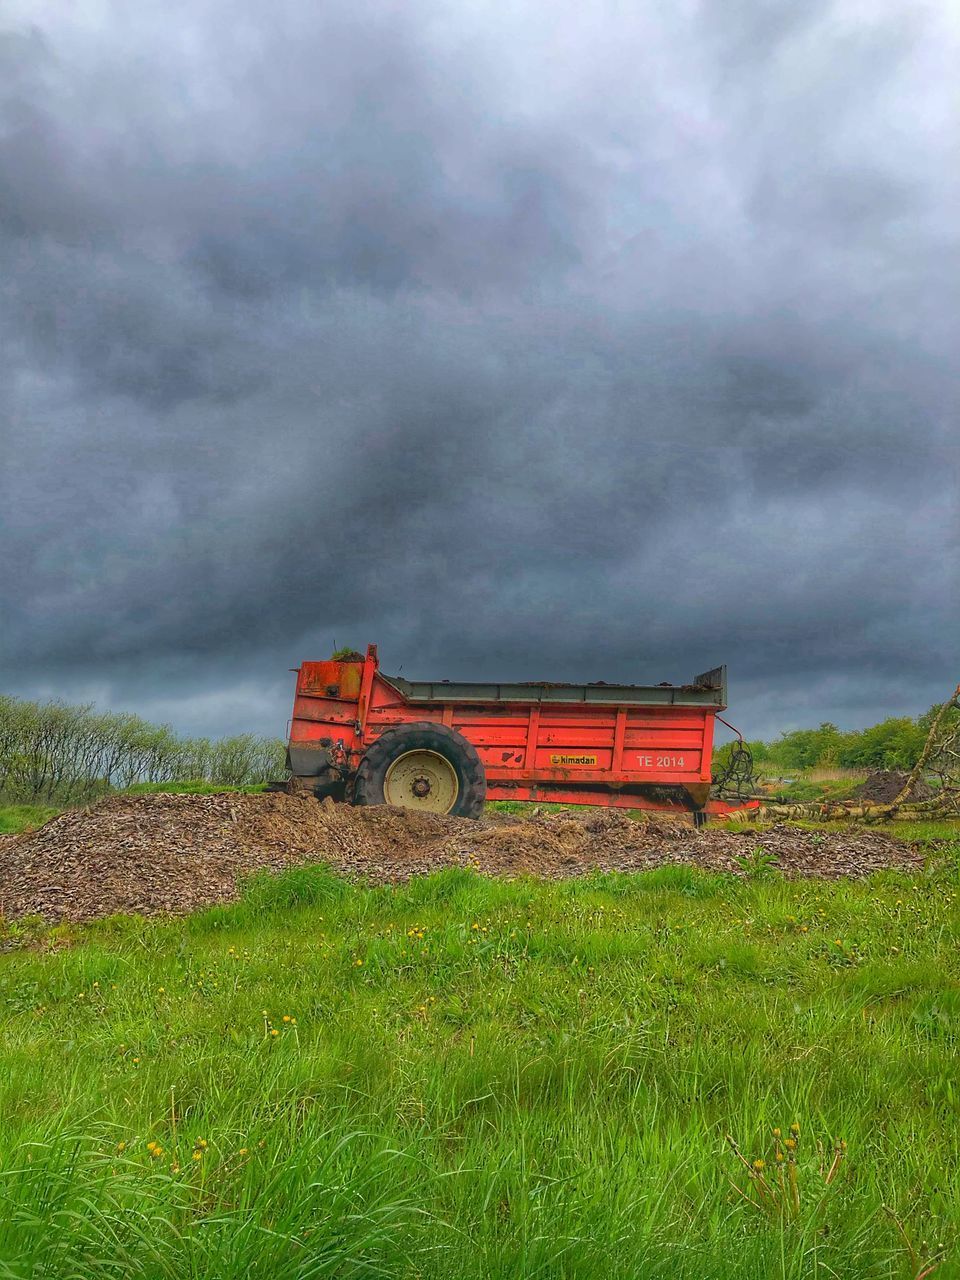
[(446, 746)]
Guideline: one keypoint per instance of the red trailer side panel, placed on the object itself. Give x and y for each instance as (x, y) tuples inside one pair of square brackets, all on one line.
[(606, 745)]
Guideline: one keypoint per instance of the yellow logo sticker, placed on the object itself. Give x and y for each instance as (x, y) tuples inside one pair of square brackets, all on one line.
[(573, 759)]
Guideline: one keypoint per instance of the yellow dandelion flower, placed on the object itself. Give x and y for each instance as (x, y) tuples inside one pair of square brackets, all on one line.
[(201, 1143), (136, 1062), (795, 1127), (358, 962), (243, 1151), (157, 1152), (790, 1144), (758, 1165), (274, 1031), (198, 1155), (779, 1156), (286, 1017), (161, 991), (776, 1133)]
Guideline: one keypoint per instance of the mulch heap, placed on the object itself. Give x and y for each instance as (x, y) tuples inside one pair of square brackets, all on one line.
[(882, 786), (159, 854)]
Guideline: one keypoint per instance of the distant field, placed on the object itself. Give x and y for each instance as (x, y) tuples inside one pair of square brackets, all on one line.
[(477, 1078), (801, 786), (823, 774), (851, 777)]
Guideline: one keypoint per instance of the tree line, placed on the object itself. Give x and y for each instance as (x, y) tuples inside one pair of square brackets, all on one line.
[(895, 743), (50, 751)]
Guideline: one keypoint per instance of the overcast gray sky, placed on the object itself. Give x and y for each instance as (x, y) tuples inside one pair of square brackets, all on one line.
[(605, 341)]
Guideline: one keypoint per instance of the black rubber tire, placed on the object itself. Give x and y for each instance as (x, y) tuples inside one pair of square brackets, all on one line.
[(423, 736)]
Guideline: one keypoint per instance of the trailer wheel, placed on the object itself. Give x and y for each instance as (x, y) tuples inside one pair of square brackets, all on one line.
[(422, 766)]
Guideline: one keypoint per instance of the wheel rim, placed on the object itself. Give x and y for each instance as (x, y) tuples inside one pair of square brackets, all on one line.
[(422, 780)]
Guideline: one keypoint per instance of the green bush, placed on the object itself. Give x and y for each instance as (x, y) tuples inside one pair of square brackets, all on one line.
[(63, 755), (895, 743)]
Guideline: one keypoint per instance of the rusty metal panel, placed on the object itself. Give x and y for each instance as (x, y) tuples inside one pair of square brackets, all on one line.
[(674, 739), (558, 737), (485, 736), (331, 679)]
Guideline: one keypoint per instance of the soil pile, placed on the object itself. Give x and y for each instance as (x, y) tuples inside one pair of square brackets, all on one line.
[(161, 854), (882, 786)]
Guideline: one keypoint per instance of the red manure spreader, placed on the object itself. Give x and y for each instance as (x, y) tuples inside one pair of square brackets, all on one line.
[(447, 746)]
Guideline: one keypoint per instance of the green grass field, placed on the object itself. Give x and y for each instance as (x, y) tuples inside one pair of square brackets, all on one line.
[(472, 1078), (22, 817)]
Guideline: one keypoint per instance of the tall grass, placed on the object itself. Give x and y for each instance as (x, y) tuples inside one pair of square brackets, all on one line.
[(825, 773), (475, 1078)]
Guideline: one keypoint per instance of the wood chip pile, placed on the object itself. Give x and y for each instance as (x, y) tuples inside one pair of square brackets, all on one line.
[(159, 854)]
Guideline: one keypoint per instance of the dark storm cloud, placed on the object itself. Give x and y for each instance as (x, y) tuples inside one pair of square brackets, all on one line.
[(603, 345)]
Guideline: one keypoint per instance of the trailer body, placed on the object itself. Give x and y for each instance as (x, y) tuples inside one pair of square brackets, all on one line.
[(622, 746)]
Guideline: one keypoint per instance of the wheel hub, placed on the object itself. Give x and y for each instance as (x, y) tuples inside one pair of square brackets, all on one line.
[(422, 780)]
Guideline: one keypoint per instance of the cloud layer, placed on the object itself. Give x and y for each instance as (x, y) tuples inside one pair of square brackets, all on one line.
[(593, 344)]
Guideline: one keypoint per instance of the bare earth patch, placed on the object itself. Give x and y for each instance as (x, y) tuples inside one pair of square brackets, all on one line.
[(158, 854)]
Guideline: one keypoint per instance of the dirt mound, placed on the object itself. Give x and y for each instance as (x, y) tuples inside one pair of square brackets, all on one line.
[(174, 853), (882, 786)]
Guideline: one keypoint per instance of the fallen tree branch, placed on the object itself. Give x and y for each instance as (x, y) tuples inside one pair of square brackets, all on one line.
[(928, 748)]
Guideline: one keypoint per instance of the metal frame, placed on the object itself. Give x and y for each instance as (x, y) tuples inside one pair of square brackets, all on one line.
[(619, 746), (687, 695)]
